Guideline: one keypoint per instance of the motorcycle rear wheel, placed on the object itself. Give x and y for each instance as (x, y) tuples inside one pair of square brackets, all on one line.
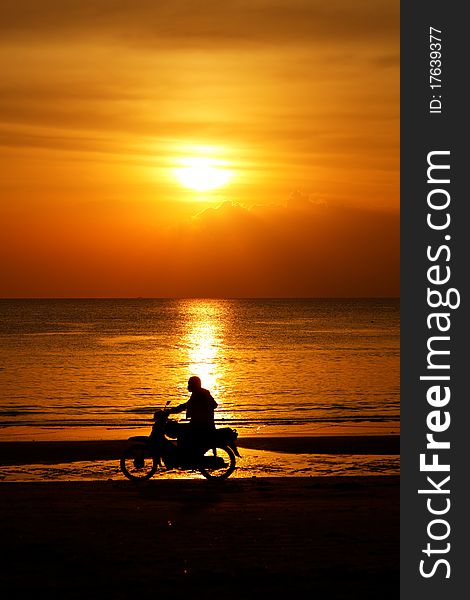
[(137, 463), (220, 469)]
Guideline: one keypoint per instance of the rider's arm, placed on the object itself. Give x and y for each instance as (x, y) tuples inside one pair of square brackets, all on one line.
[(178, 409)]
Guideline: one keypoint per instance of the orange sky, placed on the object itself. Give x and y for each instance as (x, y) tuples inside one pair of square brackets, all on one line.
[(101, 100)]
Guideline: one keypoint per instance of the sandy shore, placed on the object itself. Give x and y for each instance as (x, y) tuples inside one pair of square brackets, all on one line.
[(44, 452), (243, 538)]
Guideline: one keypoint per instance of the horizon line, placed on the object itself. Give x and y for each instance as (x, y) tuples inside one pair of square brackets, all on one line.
[(200, 298)]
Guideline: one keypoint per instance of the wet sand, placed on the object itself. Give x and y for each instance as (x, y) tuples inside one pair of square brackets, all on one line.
[(50, 452), (333, 537), (242, 538)]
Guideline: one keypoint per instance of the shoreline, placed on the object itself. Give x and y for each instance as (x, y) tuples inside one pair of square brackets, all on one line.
[(54, 452)]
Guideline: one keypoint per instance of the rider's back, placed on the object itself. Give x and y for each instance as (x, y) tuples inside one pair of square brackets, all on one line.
[(200, 409)]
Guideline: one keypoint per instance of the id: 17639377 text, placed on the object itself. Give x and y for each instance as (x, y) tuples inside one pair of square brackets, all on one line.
[(435, 70)]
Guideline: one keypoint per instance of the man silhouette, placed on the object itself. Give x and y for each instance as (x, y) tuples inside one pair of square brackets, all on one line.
[(200, 412)]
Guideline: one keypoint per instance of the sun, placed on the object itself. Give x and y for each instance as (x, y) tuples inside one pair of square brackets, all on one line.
[(202, 174)]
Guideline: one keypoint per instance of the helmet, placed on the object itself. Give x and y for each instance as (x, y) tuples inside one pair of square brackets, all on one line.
[(194, 383)]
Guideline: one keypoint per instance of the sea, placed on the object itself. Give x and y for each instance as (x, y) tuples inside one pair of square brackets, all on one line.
[(92, 369), (99, 368)]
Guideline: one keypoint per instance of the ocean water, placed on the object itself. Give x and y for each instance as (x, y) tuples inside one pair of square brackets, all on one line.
[(87, 369)]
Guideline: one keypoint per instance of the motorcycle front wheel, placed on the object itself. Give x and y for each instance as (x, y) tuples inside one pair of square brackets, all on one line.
[(137, 463), (218, 463)]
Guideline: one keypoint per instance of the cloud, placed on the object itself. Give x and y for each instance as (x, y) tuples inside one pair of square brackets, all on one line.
[(100, 97), (190, 22), (310, 249), (319, 82)]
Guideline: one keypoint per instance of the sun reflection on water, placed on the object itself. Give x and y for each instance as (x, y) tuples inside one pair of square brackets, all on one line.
[(202, 353), (204, 342)]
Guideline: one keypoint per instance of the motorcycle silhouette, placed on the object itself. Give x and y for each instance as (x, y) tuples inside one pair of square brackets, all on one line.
[(161, 450)]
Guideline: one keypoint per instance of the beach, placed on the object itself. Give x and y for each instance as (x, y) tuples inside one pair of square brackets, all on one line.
[(240, 538), (51, 452)]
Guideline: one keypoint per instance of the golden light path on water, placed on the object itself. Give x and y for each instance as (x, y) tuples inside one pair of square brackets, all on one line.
[(202, 353), (204, 343)]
